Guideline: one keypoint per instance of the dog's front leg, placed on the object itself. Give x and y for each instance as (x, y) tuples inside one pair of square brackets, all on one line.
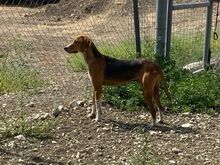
[(98, 92), (92, 114)]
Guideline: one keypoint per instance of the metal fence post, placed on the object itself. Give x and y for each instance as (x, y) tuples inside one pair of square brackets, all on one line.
[(206, 53), (169, 28), (137, 28), (161, 27)]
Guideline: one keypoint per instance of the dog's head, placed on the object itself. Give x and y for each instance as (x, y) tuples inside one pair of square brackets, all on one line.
[(80, 44)]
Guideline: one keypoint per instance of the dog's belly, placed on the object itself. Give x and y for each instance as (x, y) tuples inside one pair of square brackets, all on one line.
[(115, 82)]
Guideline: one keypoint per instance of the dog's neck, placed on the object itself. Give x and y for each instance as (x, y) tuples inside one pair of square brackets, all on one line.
[(91, 54)]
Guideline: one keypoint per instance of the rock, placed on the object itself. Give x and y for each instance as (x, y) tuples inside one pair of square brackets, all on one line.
[(37, 116), (78, 155), (55, 89), (4, 105), (143, 117), (187, 125), (106, 129), (192, 67), (12, 144), (172, 161), (41, 91), (30, 104), (20, 137), (186, 114), (72, 104), (44, 116), (54, 142), (80, 103), (154, 133), (176, 150), (56, 112)]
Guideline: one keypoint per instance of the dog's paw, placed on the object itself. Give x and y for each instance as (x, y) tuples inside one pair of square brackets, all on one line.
[(91, 115), (152, 125), (96, 120), (161, 122)]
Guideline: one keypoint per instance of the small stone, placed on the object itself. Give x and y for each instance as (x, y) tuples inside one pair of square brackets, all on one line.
[(186, 114), (54, 142), (30, 104), (41, 91), (75, 108), (12, 144), (20, 137), (69, 162), (142, 117), (44, 116), (78, 155), (187, 125), (89, 108), (153, 132), (176, 150), (61, 107), (80, 103), (37, 116), (172, 162), (72, 104), (55, 89), (106, 129), (56, 112), (4, 105)]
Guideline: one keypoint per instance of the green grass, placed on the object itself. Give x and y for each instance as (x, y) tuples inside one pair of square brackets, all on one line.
[(15, 74), (144, 156), (193, 93), (23, 123), (15, 77), (10, 127)]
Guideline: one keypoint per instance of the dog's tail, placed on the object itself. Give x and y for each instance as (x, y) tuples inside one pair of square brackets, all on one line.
[(162, 78)]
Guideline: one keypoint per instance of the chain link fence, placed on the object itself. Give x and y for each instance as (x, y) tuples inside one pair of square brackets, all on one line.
[(33, 35), (188, 35)]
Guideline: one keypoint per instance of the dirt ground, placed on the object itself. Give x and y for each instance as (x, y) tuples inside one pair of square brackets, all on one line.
[(121, 137)]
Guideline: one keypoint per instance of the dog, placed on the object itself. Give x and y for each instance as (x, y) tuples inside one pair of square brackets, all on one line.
[(105, 70)]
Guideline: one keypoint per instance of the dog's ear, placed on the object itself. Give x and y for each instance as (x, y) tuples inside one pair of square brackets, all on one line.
[(87, 40)]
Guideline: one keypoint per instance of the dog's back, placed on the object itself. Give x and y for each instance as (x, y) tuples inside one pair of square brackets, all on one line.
[(124, 70)]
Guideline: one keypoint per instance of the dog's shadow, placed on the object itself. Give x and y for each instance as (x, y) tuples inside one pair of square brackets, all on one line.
[(145, 127)]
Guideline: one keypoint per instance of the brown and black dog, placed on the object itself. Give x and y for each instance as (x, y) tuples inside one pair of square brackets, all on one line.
[(105, 70)]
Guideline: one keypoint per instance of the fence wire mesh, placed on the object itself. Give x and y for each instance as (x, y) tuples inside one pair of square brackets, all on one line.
[(33, 33), (36, 75), (188, 35)]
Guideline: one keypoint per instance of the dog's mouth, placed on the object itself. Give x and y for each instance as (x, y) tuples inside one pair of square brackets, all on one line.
[(75, 52)]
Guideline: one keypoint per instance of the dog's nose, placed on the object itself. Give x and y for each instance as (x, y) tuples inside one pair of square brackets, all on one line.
[(65, 48)]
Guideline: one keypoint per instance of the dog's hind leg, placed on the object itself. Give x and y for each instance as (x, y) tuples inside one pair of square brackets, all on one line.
[(149, 101), (148, 85), (157, 101)]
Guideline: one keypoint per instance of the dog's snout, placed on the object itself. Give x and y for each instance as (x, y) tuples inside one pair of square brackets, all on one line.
[(65, 48)]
